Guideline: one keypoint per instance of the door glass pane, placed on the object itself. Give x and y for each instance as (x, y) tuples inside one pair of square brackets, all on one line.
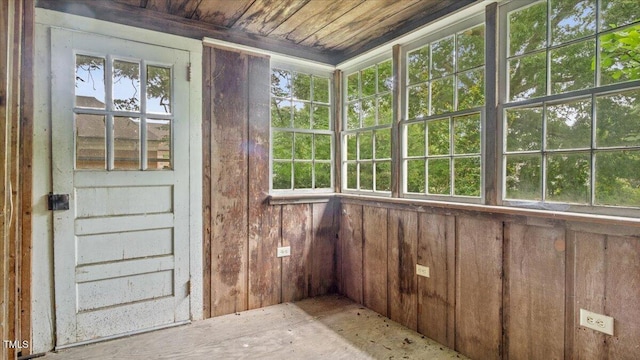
[(159, 144), (90, 142), (126, 143), (126, 85), (159, 89), (90, 82)]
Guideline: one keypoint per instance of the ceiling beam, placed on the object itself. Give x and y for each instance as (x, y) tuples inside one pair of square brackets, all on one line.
[(176, 25)]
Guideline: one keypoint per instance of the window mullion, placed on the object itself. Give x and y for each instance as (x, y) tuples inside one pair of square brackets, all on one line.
[(109, 118), (399, 84)]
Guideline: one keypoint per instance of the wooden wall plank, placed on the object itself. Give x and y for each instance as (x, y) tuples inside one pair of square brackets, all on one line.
[(323, 249), (401, 264), (207, 190), (589, 277), (352, 245), (622, 269), (229, 180), (264, 219), (436, 294), (478, 287), (534, 291), (374, 232), (296, 232)]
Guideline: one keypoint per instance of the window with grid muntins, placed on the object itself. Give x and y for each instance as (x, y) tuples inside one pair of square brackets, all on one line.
[(572, 115), (443, 115), (301, 131), (367, 129)]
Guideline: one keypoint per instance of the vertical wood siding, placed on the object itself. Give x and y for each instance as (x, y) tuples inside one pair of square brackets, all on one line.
[(241, 229), (500, 287)]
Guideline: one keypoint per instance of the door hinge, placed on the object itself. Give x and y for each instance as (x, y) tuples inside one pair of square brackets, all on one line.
[(58, 201), (188, 287), (189, 72)]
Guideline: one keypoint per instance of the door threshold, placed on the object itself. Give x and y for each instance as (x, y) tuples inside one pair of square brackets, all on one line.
[(127, 334)]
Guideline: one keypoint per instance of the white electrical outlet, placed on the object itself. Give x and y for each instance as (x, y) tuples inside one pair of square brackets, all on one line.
[(422, 270), (284, 251), (598, 322)]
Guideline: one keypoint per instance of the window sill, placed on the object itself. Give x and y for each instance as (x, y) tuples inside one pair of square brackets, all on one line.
[(307, 198)]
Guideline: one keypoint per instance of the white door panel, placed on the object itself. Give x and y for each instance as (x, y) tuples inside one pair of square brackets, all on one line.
[(121, 251)]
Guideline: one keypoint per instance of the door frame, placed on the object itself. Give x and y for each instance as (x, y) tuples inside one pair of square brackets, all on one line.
[(43, 304)]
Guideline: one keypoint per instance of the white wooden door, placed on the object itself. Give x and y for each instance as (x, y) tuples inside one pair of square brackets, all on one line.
[(120, 150)]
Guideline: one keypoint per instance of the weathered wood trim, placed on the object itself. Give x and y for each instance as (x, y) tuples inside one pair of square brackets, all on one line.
[(172, 24), (282, 199), (207, 190), (491, 140)]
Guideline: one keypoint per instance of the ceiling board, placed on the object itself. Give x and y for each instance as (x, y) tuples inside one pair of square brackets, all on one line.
[(265, 15), (221, 12), (313, 17), (182, 8)]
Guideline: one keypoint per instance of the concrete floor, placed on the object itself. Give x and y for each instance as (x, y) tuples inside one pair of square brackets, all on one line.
[(329, 327)]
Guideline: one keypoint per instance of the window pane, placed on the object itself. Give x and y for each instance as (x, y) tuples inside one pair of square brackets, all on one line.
[(527, 77), (438, 137), (90, 142), (418, 65), (523, 177), (352, 86), (366, 176), (352, 147), (282, 145), (368, 78), (568, 177), (442, 95), (90, 82), (385, 111), (126, 143), (618, 178), (158, 144), (439, 180), (569, 125), (572, 19), (418, 101), (383, 144), (321, 89), (301, 86), (571, 67), (323, 175), (323, 147), (321, 117), (385, 76), (353, 115), (528, 29), (280, 113), (280, 83), (415, 139), (416, 176), (618, 119), (303, 146), (471, 48), (126, 85), (620, 55), (158, 89), (467, 176), (369, 112), (524, 129), (302, 175), (442, 57), (614, 13), (383, 176), (366, 145), (470, 89), (301, 115), (352, 176), (467, 134), (282, 175)]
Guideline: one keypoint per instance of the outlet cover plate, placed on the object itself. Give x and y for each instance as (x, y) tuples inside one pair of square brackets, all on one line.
[(598, 322), (284, 251), (422, 270)]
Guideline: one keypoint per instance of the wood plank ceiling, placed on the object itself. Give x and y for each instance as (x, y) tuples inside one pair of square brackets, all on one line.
[(329, 31)]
